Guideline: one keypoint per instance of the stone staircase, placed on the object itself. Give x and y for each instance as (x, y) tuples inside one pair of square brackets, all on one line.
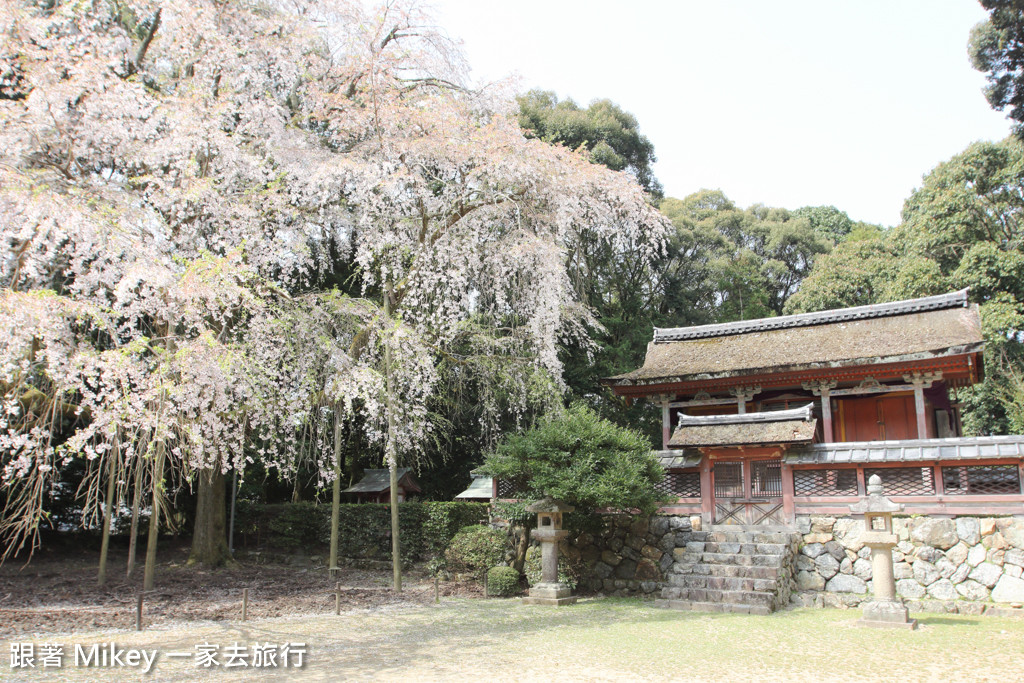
[(746, 570)]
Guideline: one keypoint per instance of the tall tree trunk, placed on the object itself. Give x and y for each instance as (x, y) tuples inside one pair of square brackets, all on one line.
[(209, 539), (390, 448), (154, 519), (136, 504), (108, 511), (336, 498)]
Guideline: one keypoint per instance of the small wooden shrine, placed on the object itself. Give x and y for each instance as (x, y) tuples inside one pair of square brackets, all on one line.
[(375, 486)]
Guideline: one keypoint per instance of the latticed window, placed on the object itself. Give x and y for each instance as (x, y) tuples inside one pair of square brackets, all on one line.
[(981, 479), (766, 479), (508, 489), (729, 480), (904, 481), (826, 482), (682, 484)]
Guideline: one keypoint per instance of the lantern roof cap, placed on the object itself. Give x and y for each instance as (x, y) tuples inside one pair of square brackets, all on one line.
[(875, 502)]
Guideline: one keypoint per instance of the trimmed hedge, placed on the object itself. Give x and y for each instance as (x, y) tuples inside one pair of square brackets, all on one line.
[(476, 549), (364, 529), (502, 581)]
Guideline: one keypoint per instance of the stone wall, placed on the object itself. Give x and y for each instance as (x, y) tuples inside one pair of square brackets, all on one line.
[(966, 564), (629, 555)]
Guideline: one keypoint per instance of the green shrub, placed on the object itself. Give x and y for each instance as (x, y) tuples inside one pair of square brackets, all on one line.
[(476, 549), (502, 581), (441, 521), (567, 574)]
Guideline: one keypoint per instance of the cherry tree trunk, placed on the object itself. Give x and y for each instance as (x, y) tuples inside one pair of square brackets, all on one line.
[(134, 536), (209, 538), (390, 450), (336, 497), (149, 573), (108, 512)]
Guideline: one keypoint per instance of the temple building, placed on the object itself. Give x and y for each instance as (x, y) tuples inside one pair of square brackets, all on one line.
[(766, 421)]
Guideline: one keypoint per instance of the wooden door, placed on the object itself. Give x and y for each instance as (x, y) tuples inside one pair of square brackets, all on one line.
[(861, 419), (898, 417), (880, 418)]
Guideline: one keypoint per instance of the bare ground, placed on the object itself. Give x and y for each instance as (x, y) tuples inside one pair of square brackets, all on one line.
[(57, 592)]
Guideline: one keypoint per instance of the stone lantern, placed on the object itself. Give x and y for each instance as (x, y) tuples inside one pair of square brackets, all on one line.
[(549, 532), (886, 610)]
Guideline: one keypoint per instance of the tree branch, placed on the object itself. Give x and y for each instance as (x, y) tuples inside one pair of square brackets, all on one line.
[(153, 26)]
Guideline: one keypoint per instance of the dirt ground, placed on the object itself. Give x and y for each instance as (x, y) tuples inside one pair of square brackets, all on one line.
[(597, 639), (57, 593)]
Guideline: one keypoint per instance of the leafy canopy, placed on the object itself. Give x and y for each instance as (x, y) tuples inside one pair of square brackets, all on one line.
[(611, 135), (582, 459), (996, 49)]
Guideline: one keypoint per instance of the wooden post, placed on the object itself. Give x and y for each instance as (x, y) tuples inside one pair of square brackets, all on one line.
[(826, 415), (437, 594), (744, 394), (138, 613), (666, 423), (922, 428), (788, 491), (824, 390), (920, 380), (337, 598), (707, 492), (245, 604)]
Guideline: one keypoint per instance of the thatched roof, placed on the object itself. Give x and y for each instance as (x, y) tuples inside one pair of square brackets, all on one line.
[(378, 481), (916, 329)]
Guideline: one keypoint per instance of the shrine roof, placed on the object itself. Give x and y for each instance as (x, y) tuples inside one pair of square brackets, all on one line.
[(911, 330), (745, 429), (480, 488)]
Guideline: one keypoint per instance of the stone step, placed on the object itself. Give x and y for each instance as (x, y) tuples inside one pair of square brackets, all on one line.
[(744, 548), (698, 606), (728, 583), (731, 536), (740, 571), (743, 560), (734, 597)]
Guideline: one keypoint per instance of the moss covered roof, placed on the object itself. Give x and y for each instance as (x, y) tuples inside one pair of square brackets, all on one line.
[(896, 336)]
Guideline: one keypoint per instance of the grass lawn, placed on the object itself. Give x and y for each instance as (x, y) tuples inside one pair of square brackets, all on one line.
[(597, 639)]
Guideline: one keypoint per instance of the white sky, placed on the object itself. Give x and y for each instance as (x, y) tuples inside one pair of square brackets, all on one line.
[(783, 102)]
